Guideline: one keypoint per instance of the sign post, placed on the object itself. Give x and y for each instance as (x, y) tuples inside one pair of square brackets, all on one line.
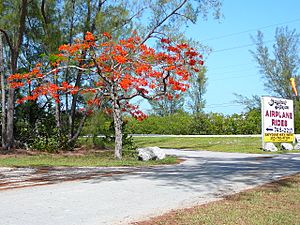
[(277, 120)]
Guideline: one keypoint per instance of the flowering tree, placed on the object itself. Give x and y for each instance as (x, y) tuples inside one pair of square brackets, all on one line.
[(114, 73)]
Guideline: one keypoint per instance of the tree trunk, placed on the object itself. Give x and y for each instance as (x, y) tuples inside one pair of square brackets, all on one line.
[(87, 27), (3, 118), (11, 104), (73, 106), (118, 129), (14, 52), (3, 95), (73, 130), (57, 111), (57, 116), (74, 138), (10, 119)]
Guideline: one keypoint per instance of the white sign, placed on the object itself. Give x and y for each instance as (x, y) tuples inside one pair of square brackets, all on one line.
[(277, 119)]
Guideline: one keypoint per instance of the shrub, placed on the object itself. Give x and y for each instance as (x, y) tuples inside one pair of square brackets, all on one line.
[(201, 123), (178, 123)]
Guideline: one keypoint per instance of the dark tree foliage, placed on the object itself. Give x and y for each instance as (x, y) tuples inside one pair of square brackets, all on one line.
[(279, 64)]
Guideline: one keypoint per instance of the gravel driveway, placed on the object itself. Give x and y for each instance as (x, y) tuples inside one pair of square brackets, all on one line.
[(140, 193)]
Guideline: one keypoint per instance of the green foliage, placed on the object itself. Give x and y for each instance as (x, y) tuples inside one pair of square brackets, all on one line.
[(53, 58), (35, 127), (197, 90), (100, 128), (165, 106), (253, 124), (48, 144), (279, 64), (217, 122), (249, 103), (178, 123), (99, 124), (201, 123), (115, 20), (10, 14), (217, 144), (103, 159)]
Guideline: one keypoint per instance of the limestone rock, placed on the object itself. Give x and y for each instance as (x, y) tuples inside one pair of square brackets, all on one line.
[(144, 155), (270, 147), (151, 153), (286, 146), (158, 153), (297, 146)]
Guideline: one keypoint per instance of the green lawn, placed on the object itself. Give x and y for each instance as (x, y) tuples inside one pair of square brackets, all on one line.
[(276, 203), (106, 158), (96, 159), (228, 144)]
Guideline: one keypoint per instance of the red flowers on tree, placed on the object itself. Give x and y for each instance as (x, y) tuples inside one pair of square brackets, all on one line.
[(114, 73)]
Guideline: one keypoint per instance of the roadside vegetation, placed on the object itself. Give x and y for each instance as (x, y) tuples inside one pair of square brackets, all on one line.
[(199, 123), (217, 144), (230, 144), (100, 159), (99, 151), (274, 203)]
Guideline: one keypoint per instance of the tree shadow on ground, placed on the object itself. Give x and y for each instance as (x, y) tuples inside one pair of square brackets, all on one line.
[(216, 173)]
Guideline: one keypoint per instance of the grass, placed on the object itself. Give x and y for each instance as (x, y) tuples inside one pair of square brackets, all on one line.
[(218, 144), (104, 159), (274, 203)]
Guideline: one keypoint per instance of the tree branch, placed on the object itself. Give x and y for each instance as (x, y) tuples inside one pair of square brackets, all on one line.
[(22, 23), (188, 18), (99, 72), (76, 135), (43, 11), (79, 129), (100, 4), (7, 39), (140, 93), (126, 21), (66, 67), (163, 20)]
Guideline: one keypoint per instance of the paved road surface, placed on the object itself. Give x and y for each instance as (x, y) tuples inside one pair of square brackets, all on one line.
[(121, 199)]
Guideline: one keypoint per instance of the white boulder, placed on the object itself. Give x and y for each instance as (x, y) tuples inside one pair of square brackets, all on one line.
[(158, 153), (144, 155), (151, 153), (297, 146), (286, 146), (269, 147)]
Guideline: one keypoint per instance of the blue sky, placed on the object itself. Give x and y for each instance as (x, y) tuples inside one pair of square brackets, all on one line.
[(231, 68)]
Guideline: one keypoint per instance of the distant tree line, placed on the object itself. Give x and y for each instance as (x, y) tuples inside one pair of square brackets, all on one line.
[(202, 123)]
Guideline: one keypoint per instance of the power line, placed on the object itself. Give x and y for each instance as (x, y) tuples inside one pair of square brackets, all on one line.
[(223, 106), (230, 71), (250, 30), (238, 47), (234, 77), (229, 66)]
